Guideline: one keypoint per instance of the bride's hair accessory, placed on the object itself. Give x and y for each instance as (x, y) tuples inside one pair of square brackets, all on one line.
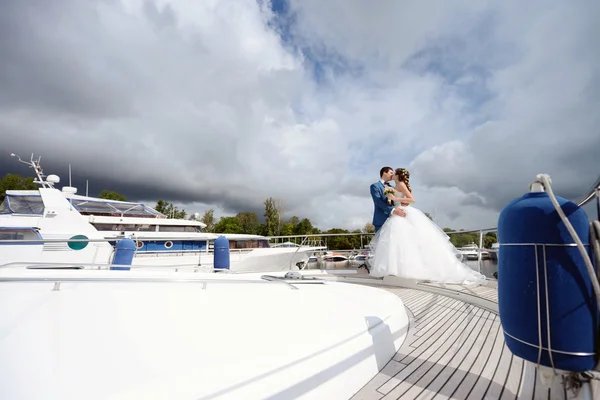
[(404, 176)]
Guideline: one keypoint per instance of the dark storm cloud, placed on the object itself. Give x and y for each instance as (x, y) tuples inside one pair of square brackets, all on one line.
[(46, 68), (98, 180), (137, 104)]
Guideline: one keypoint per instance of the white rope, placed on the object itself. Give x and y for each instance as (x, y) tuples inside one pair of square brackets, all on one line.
[(575, 380), (595, 239), (588, 262)]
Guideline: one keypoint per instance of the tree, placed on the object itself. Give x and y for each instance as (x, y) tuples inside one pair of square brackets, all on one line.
[(368, 228), (15, 182), (228, 225), (287, 229), (112, 195), (278, 203), (249, 222), (488, 241), (339, 242), (168, 209), (303, 227), (463, 239), (356, 242), (271, 218), (429, 216), (208, 219)]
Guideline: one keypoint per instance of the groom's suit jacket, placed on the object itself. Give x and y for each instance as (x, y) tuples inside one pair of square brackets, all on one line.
[(381, 209)]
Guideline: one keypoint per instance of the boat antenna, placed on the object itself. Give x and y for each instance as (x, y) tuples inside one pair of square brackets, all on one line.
[(37, 167), (70, 175), (86, 188)]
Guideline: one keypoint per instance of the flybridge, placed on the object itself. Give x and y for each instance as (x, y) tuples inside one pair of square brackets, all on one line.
[(30, 202), (113, 208)]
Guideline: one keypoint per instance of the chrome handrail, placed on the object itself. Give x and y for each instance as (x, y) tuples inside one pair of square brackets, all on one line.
[(99, 266), (126, 278), (474, 230), (296, 252), (594, 191)]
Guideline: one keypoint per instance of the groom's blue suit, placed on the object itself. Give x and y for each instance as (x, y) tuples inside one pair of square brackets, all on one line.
[(381, 208)]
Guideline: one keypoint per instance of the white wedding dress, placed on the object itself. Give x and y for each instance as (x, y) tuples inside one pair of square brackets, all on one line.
[(415, 247)]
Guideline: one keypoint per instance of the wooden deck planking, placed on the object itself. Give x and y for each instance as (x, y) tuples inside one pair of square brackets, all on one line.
[(501, 374), (429, 353), (442, 378), (513, 380), (455, 350), (484, 380), (454, 373), (528, 379), (465, 388)]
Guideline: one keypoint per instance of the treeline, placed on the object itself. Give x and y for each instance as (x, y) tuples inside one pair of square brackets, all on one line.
[(15, 182), (461, 239), (248, 222)]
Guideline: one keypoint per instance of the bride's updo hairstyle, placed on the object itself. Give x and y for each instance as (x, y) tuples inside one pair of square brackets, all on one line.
[(403, 175)]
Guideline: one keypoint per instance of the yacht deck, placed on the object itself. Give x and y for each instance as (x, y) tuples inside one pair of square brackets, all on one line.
[(454, 349)]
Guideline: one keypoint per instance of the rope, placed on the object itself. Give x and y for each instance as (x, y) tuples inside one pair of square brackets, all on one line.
[(575, 380), (595, 240), (545, 180)]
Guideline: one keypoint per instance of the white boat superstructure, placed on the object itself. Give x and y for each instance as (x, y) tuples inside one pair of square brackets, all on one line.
[(160, 241)]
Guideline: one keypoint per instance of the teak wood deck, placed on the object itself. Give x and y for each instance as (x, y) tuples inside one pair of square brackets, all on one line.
[(455, 350)]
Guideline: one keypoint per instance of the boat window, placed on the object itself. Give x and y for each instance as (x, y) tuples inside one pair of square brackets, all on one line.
[(124, 227), (178, 228), (248, 244), (19, 234), (4, 207), (22, 205), (115, 209)]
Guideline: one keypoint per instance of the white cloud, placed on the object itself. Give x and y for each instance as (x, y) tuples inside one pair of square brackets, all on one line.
[(205, 103)]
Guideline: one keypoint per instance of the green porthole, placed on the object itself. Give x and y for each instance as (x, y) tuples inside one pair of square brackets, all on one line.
[(78, 245)]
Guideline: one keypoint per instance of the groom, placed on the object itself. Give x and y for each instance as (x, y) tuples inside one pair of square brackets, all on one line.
[(382, 210)]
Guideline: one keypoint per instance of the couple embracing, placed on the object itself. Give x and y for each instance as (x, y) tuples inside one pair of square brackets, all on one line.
[(407, 243)]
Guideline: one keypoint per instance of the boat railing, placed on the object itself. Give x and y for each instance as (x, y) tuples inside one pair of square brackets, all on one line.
[(63, 265), (593, 192), (202, 252), (57, 279)]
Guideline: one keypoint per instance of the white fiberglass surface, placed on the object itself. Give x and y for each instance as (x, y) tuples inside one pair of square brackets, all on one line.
[(126, 340)]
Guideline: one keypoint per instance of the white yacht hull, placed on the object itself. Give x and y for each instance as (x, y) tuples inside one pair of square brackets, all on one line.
[(256, 260)]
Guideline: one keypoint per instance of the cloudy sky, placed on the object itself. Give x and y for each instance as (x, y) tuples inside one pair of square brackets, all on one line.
[(223, 103)]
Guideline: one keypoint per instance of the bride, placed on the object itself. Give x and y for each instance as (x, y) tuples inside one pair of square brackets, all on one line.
[(415, 247)]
